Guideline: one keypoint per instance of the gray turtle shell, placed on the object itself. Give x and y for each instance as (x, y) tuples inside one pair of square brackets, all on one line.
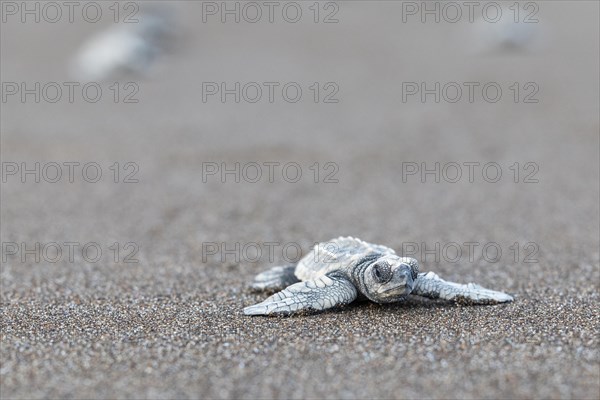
[(339, 254)]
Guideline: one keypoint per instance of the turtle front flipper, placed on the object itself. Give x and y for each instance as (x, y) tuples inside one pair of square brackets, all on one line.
[(324, 292), (276, 278), (432, 286)]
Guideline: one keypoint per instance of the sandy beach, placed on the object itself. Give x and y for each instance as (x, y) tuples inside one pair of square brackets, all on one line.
[(127, 278)]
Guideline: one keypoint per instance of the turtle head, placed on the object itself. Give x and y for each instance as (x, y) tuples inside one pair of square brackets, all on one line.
[(390, 278)]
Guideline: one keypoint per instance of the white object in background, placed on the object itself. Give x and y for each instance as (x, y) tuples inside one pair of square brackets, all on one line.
[(504, 35), (122, 49)]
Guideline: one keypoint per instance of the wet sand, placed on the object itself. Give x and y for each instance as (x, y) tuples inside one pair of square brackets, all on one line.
[(171, 325)]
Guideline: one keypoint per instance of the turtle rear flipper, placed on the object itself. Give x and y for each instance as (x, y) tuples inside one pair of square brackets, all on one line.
[(324, 292), (432, 286), (276, 278)]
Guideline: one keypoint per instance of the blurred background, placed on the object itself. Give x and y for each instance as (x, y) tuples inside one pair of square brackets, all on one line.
[(362, 93)]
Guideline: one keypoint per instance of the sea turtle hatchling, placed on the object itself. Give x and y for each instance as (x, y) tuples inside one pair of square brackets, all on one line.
[(345, 269)]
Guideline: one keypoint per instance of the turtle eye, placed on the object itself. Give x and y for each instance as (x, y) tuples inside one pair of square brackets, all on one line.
[(377, 272), (381, 272)]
